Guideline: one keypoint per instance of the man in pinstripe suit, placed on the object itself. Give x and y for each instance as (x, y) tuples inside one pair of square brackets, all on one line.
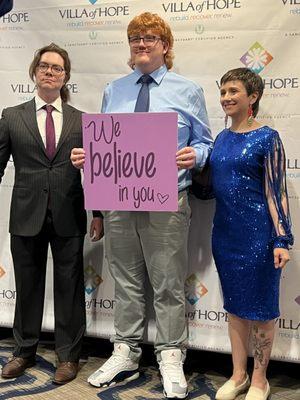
[(47, 207)]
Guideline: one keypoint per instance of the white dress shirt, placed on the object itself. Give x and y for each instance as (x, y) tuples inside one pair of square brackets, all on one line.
[(57, 116)]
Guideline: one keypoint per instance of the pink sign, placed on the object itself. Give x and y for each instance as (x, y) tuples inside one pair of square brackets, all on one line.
[(130, 161)]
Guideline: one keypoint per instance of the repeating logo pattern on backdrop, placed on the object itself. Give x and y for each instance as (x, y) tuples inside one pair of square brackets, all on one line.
[(91, 279), (256, 58), (2, 271), (214, 24), (194, 289)]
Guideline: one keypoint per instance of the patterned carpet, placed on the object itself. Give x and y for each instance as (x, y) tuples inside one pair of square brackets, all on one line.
[(203, 379)]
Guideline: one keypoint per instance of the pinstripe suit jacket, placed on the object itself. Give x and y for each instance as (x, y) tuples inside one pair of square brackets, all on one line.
[(37, 178)]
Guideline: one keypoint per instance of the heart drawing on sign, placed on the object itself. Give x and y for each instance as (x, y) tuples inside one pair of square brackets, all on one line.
[(162, 197)]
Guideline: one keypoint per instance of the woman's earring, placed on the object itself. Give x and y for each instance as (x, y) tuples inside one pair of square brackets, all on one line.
[(250, 115), (226, 121)]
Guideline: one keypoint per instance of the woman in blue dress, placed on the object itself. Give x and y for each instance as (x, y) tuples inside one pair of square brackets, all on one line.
[(252, 229)]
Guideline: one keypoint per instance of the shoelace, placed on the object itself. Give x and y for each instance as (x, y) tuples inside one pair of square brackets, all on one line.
[(173, 370), (112, 361), (67, 364)]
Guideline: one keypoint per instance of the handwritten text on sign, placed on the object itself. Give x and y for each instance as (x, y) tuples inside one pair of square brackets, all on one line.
[(130, 161)]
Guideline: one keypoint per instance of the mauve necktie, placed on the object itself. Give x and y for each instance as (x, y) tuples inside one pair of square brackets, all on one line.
[(50, 132), (143, 100)]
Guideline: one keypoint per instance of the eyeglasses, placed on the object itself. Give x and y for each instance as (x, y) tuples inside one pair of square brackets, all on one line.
[(55, 69), (149, 40)]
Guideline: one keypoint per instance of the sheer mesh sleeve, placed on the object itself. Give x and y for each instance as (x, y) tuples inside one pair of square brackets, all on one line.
[(276, 194)]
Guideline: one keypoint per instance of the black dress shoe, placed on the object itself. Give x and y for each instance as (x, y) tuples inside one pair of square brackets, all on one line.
[(16, 367)]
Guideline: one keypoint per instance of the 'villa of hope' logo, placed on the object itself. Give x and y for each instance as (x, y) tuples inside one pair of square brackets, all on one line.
[(199, 29), (194, 289), (91, 279), (256, 58), (93, 1), (93, 35)]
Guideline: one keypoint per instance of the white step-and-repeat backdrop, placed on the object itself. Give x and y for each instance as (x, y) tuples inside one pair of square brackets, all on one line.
[(211, 36)]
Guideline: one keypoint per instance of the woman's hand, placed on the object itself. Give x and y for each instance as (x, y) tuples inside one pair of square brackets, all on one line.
[(281, 257)]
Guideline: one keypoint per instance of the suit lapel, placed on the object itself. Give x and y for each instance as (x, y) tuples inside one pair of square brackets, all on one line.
[(29, 117), (67, 125)]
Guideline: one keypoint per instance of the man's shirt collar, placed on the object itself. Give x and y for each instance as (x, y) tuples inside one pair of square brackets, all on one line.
[(40, 103), (157, 75)]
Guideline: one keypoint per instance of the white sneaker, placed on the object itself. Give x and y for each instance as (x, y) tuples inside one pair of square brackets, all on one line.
[(119, 367), (173, 379)]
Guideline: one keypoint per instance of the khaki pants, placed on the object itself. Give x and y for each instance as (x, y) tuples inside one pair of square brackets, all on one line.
[(137, 243)]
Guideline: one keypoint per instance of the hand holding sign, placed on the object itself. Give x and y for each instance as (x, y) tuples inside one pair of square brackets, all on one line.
[(186, 158), (78, 157)]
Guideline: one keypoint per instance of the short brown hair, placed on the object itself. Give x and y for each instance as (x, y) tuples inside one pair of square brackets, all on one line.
[(252, 82), (54, 48), (146, 21)]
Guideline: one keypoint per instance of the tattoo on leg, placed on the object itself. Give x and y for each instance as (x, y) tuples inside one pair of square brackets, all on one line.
[(261, 344)]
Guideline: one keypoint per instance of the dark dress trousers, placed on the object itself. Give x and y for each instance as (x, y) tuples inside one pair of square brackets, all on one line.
[(47, 207)]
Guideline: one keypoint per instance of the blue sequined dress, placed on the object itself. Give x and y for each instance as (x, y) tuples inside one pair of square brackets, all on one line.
[(252, 217)]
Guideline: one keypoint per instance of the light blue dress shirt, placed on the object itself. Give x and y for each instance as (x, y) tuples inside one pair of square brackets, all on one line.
[(168, 92)]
